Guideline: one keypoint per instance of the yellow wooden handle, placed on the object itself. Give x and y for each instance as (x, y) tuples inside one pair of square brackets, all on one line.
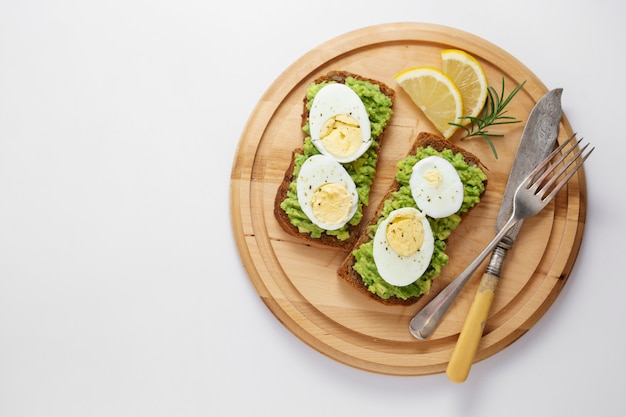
[(472, 331)]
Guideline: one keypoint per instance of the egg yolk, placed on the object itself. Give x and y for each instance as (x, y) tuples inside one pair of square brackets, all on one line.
[(405, 235), (433, 176), (331, 203), (341, 135)]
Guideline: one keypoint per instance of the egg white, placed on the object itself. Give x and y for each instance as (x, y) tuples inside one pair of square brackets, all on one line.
[(316, 171), (334, 99), (436, 200), (402, 270)]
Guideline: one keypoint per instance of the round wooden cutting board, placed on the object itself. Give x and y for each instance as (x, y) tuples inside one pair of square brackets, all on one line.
[(298, 282)]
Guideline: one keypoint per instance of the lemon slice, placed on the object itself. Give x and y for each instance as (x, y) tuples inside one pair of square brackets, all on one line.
[(435, 94), (468, 75)]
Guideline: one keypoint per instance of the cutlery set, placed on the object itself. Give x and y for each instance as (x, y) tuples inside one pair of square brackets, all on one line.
[(539, 172)]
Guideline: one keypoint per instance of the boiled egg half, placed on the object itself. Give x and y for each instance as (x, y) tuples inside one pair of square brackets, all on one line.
[(403, 246), (326, 192), (436, 187), (339, 123)]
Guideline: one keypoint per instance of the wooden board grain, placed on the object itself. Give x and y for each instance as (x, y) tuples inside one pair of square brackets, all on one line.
[(298, 282)]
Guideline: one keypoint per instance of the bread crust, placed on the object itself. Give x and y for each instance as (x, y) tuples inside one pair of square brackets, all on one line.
[(346, 271), (281, 193)]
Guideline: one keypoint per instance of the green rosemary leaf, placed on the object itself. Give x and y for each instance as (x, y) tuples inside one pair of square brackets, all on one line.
[(493, 114)]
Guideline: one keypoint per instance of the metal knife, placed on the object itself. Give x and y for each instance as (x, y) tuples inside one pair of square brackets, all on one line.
[(537, 140), (536, 143)]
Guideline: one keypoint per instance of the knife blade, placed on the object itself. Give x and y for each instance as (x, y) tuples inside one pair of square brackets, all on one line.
[(536, 143)]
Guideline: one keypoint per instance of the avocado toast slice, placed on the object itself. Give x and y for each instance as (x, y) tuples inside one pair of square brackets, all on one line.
[(378, 99), (359, 268)]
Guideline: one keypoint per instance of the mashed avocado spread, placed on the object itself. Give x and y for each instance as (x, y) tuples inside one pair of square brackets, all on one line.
[(362, 170), (472, 178)]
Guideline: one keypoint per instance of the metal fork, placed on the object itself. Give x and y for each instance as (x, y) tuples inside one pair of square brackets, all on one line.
[(532, 196)]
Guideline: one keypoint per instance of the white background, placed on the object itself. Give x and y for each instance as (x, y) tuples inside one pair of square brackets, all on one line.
[(121, 289)]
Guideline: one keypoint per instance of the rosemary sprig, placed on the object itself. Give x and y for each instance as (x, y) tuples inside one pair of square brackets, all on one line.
[(493, 114)]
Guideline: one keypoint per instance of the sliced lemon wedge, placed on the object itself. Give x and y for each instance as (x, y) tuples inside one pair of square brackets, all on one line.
[(468, 75), (435, 94)]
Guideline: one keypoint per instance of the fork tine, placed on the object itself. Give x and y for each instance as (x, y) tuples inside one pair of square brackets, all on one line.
[(581, 159), (557, 164), (571, 148), (539, 174)]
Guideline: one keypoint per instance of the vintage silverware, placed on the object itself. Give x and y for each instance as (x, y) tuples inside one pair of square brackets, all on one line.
[(532, 195), (536, 142)]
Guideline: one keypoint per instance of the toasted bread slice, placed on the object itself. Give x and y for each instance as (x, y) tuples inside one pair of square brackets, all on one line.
[(286, 207), (371, 283)]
